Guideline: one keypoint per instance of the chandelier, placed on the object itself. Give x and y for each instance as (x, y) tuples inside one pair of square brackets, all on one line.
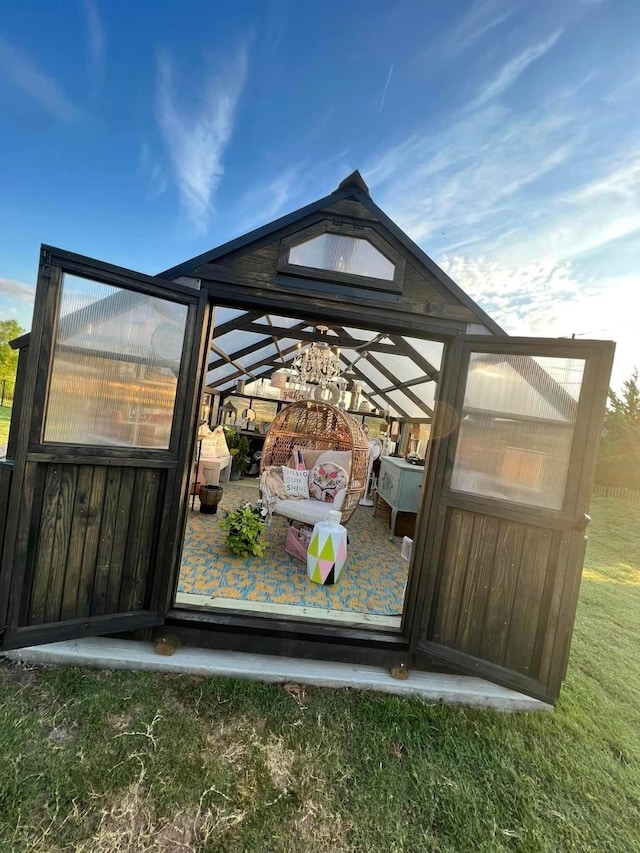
[(318, 365)]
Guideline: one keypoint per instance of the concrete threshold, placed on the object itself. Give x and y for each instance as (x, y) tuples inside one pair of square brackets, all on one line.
[(106, 653)]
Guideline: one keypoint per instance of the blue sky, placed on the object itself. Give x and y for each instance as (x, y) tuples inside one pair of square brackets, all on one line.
[(503, 137)]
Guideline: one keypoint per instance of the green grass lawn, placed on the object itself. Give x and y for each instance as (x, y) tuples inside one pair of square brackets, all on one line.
[(5, 417), (94, 761)]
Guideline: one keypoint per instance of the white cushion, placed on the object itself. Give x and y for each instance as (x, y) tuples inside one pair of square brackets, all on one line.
[(340, 457), (309, 511), (296, 483)]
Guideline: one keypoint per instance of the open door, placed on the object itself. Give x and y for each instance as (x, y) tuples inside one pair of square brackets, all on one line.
[(99, 480), (510, 477)]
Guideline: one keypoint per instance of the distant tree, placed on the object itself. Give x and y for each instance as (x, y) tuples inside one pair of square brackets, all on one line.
[(619, 458), (9, 329)]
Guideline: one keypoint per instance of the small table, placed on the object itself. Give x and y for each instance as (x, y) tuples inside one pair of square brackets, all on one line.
[(216, 465)]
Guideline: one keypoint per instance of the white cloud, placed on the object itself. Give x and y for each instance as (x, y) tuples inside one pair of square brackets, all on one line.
[(547, 299), (482, 17), (152, 172), (96, 41), (17, 290), (512, 70), (196, 138), (42, 89)]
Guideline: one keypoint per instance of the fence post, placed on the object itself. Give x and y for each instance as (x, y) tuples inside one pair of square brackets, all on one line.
[(4, 382)]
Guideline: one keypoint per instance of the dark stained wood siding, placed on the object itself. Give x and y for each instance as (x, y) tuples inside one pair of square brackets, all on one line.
[(496, 589), (258, 266), (91, 548)]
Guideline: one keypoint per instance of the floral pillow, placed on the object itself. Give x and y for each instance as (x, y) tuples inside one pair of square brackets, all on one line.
[(326, 480)]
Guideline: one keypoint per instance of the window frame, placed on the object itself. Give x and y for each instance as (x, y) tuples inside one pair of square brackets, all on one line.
[(342, 229)]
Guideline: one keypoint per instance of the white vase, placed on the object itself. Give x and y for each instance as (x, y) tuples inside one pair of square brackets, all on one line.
[(327, 550)]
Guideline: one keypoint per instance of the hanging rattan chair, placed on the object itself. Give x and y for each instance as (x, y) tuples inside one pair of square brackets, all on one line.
[(313, 425)]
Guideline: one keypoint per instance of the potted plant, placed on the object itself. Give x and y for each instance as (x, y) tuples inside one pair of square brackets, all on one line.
[(239, 450), (245, 525)]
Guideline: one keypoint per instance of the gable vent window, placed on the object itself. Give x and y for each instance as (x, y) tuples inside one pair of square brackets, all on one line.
[(342, 254)]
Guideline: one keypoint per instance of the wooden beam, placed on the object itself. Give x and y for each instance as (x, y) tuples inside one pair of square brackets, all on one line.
[(411, 382), (389, 375), (418, 359), (248, 350), (360, 375), (268, 360), (407, 391), (237, 323), (343, 341)]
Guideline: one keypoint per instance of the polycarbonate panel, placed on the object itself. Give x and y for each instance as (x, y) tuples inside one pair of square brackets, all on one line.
[(237, 340), (517, 427), (338, 253), (116, 362), (429, 350), (223, 315), (401, 366), (426, 391), (412, 409)]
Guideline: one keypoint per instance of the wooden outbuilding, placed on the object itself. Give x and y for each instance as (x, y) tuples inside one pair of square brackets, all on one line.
[(94, 501)]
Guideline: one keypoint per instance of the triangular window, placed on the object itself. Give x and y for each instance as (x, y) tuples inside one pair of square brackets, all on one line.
[(343, 254)]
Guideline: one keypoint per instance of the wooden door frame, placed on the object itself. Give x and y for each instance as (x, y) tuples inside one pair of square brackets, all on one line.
[(255, 625), (30, 446), (572, 518)]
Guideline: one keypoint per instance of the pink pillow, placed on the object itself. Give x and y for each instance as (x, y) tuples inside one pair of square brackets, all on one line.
[(326, 480)]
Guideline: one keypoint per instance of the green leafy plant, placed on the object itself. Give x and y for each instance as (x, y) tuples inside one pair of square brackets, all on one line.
[(238, 449), (245, 525)]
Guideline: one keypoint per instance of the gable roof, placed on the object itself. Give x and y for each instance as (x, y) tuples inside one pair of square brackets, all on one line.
[(354, 188)]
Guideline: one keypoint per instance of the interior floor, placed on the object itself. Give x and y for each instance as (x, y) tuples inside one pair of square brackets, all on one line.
[(369, 591)]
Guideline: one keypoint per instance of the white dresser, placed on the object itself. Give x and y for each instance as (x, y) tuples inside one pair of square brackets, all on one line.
[(399, 485)]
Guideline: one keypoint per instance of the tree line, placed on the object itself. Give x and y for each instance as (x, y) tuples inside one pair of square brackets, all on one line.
[(619, 457)]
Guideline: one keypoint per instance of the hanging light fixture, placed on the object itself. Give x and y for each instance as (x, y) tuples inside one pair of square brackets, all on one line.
[(319, 364)]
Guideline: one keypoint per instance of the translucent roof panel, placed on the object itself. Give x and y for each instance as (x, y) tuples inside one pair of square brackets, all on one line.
[(220, 372), (430, 350), (426, 392), (401, 366), (223, 315), (412, 409), (338, 253), (237, 340)]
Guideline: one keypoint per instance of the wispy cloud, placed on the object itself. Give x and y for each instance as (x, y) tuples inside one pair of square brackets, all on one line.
[(550, 299), (17, 291), (42, 89), (514, 68), (483, 17), (197, 138), (152, 172), (96, 42)]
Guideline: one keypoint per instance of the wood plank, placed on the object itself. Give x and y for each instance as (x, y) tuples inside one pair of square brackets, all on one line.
[(534, 564), (148, 535), (502, 591), (455, 564), (46, 522), (88, 571), (135, 535), (471, 626), (120, 536), (109, 515), (62, 532), (77, 534)]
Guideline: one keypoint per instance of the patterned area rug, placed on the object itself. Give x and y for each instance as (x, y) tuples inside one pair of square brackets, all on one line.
[(372, 581)]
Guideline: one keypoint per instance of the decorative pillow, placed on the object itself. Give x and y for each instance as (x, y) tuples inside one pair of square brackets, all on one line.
[(326, 479), (338, 457), (296, 483)]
